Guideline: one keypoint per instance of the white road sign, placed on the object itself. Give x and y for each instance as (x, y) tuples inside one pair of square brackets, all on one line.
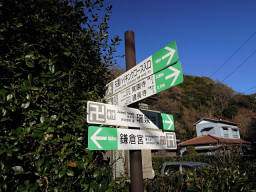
[(140, 71), (104, 138), (153, 84), (154, 63), (106, 114)]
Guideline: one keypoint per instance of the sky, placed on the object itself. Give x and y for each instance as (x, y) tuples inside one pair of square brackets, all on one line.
[(215, 38)]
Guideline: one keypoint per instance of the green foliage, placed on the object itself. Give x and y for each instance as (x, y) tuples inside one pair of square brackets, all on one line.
[(238, 175), (191, 150), (206, 179), (196, 92), (247, 101), (230, 111), (55, 56)]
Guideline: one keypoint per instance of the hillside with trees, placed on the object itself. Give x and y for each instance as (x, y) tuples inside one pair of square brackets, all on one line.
[(199, 97)]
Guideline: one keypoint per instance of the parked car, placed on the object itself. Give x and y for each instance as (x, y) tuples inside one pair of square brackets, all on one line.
[(171, 167)]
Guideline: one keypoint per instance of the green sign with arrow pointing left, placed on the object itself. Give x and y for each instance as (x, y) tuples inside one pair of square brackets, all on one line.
[(102, 138), (105, 138)]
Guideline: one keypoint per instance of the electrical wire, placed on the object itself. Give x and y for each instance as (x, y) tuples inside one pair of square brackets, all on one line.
[(227, 60), (249, 89), (239, 65)]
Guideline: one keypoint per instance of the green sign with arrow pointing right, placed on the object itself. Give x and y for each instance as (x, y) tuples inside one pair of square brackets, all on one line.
[(165, 57), (169, 77), (160, 81), (149, 66), (167, 122)]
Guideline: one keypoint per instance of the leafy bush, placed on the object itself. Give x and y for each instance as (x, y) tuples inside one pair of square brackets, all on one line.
[(53, 53), (223, 175), (213, 178)]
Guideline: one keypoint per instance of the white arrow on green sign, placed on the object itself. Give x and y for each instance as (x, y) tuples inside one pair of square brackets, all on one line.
[(104, 138), (160, 81), (168, 123), (169, 77), (165, 57), (106, 114), (154, 63)]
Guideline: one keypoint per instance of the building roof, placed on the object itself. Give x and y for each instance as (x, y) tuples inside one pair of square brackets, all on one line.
[(208, 139), (213, 119)]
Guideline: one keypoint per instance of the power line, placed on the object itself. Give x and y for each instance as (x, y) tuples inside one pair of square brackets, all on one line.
[(220, 67), (239, 65), (249, 89)]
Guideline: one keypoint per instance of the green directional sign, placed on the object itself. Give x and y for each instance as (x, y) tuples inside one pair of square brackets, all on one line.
[(167, 122), (155, 83), (102, 138), (149, 66), (169, 77), (165, 57)]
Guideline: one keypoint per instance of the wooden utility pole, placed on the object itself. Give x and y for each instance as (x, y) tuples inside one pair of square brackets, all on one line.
[(135, 155)]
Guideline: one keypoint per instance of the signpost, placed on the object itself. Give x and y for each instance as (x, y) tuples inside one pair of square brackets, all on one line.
[(158, 72), (151, 85), (106, 114), (151, 65), (105, 138)]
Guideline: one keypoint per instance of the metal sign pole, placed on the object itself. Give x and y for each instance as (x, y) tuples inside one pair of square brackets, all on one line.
[(135, 155)]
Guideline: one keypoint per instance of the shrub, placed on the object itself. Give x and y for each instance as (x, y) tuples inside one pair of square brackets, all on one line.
[(233, 175), (207, 179), (52, 55)]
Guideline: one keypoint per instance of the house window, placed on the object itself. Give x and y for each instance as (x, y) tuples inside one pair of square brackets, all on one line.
[(235, 133), (225, 132), (207, 130)]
